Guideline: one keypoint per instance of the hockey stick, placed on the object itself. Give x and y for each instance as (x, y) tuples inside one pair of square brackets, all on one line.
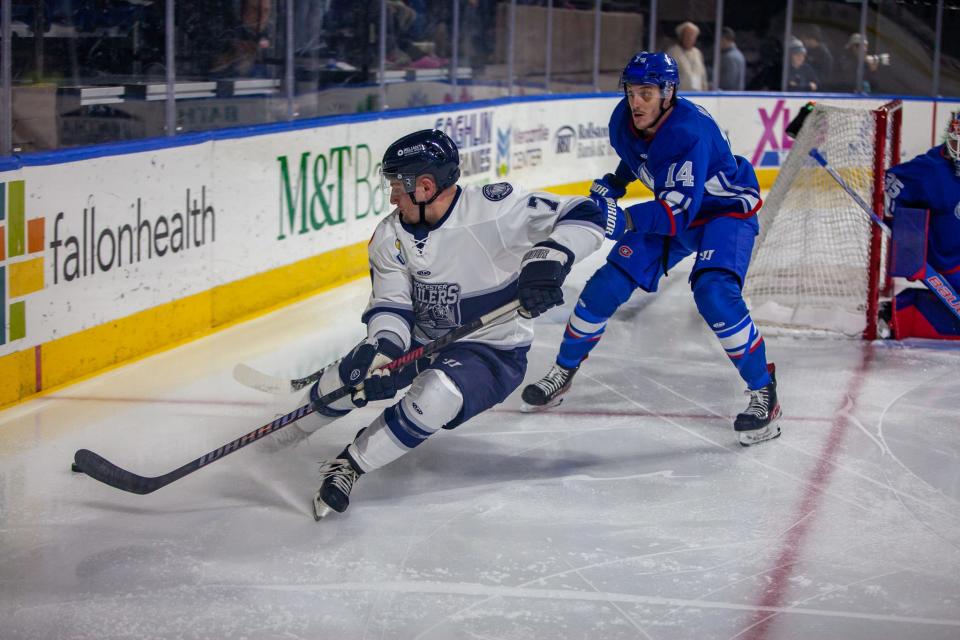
[(99, 468), (250, 377), (932, 278)]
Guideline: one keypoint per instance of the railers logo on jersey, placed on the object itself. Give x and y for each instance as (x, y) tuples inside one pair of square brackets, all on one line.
[(436, 305), (21, 259)]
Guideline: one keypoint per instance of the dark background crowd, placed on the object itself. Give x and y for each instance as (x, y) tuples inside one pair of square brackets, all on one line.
[(86, 71)]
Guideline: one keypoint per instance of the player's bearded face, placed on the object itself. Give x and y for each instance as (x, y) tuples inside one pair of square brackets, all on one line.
[(645, 103)]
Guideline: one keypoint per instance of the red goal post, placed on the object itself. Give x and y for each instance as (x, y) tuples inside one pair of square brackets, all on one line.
[(820, 263)]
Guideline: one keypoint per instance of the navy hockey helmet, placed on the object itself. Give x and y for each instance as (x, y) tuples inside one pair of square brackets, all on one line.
[(427, 152), (657, 68)]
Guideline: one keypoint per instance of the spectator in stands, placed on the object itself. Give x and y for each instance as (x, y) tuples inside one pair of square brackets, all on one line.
[(853, 53), (346, 26), (308, 27), (818, 55), (800, 75), (693, 73), (733, 67), (403, 47), (251, 41), (769, 66)]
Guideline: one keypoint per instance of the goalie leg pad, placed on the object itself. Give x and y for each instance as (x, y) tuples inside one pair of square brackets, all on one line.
[(921, 314), (720, 302), (433, 401), (603, 294)]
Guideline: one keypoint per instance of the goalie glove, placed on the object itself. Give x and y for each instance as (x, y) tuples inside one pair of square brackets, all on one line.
[(542, 273), (604, 195), (365, 359)]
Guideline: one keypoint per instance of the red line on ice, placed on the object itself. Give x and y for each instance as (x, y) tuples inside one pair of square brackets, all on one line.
[(813, 489)]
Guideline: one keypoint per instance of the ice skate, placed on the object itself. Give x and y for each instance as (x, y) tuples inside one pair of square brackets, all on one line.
[(758, 421), (334, 493), (548, 391), (885, 319)]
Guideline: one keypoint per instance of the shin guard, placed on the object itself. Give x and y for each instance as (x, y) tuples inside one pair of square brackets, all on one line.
[(603, 294), (433, 401), (720, 303)]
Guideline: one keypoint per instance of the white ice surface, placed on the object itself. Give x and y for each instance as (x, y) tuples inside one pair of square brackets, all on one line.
[(628, 512)]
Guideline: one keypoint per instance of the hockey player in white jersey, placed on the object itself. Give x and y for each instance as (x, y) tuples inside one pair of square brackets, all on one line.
[(447, 255)]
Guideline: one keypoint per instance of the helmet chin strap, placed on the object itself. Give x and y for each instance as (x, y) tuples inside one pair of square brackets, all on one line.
[(663, 112), (423, 206)]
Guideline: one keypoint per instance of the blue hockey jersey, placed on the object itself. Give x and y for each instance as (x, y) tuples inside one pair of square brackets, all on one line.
[(929, 182), (689, 167)]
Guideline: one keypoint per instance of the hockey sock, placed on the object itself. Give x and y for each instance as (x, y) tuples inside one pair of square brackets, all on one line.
[(323, 414), (604, 292), (720, 302), (433, 401)]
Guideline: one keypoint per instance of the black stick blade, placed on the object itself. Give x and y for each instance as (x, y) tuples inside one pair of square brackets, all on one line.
[(99, 468)]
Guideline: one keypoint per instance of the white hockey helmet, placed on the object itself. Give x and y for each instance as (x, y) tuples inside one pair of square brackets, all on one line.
[(952, 138)]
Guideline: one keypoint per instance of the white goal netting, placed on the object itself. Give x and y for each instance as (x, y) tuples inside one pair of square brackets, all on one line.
[(811, 265)]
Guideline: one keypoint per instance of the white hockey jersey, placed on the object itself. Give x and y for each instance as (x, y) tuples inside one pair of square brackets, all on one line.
[(429, 280)]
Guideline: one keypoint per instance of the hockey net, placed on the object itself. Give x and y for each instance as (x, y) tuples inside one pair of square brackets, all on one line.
[(819, 262)]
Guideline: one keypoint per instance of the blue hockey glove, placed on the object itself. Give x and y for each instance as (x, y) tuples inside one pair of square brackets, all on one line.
[(618, 222), (365, 358), (609, 186), (542, 273)]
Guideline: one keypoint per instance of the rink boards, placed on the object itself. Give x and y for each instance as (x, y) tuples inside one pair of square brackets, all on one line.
[(111, 253)]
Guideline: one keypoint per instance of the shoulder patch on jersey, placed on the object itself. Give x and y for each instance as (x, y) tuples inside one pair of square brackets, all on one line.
[(497, 191)]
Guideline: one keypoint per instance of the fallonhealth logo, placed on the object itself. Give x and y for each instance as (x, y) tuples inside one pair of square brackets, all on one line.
[(21, 260)]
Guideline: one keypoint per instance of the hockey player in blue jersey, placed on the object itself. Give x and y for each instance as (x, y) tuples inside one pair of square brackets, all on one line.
[(445, 256), (706, 201), (930, 181)]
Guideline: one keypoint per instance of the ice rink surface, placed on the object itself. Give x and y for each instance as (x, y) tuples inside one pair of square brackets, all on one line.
[(628, 512)]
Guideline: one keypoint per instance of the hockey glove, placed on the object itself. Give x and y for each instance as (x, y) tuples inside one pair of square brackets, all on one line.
[(609, 186), (383, 385), (618, 221), (365, 358), (542, 273)]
